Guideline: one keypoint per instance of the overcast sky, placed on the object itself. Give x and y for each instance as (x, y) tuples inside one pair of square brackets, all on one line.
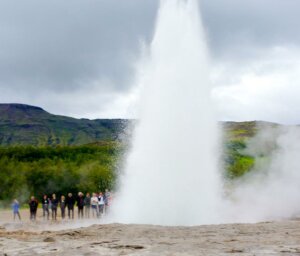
[(77, 57)]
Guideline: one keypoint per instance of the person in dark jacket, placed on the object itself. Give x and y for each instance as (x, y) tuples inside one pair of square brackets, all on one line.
[(70, 201), (80, 205), (87, 205), (45, 205), (33, 205), (62, 204), (54, 204)]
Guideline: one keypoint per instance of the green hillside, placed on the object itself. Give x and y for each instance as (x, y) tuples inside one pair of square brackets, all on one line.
[(44, 153), (28, 125), (235, 137)]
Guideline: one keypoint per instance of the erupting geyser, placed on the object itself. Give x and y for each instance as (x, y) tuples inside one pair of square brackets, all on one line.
[(171, 173)]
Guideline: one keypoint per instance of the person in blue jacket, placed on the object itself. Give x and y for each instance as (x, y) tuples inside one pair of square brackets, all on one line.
[(16, 209)]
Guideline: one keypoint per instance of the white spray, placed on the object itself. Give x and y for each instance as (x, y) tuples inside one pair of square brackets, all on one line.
[(171, 175), (272, 190)]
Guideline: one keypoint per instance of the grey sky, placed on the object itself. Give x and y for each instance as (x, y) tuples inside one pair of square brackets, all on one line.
[(77, 57), (236, 27)]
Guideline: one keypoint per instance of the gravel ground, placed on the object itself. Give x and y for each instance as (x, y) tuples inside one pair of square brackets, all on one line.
[(68, 238)]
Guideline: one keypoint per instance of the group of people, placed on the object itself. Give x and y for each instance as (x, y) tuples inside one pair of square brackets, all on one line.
[(87, 205)]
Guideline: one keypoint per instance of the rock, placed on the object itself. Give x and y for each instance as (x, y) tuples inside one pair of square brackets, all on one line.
[(49, 240)]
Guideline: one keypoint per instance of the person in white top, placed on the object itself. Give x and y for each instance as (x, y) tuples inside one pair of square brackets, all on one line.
[(101, 203), (94, 204)]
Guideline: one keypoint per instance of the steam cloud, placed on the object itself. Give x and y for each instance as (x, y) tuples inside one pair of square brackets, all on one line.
[(272, 190)]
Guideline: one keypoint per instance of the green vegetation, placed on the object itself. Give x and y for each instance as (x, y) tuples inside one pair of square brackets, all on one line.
[(236, 135), (44, 153), (240, 130), (28, 125), (236, 163), (27, 170)]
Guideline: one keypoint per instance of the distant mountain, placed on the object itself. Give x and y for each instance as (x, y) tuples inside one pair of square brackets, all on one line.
[(29, 125)]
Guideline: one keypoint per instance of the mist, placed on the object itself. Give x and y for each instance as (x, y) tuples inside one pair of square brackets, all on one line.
[(271, 191)]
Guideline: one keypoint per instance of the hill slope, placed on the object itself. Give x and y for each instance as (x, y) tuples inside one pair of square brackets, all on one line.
[(28, 125)]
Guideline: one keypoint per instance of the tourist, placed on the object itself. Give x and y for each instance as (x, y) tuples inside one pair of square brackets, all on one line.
[(80, 205), (16, 208), (87, 205), (70, 201), (101, 204), (54, 204), (107, 196), (94, 204), (33, 205), (62, 204), (45, 206)]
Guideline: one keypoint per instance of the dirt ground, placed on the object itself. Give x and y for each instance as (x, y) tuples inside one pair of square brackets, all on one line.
[(68, 238)]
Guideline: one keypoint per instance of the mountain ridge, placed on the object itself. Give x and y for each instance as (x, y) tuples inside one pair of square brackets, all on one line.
[(22, 124)]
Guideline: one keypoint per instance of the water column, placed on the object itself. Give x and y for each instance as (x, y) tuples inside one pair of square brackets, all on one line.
[(171, 171)]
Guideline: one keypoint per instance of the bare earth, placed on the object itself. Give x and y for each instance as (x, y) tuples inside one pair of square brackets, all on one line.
[(57, 238)]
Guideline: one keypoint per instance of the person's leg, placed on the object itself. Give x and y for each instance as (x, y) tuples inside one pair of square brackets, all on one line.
[(19, 215), (96, 211), (73, 213), (100, 210), (69, 212)]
